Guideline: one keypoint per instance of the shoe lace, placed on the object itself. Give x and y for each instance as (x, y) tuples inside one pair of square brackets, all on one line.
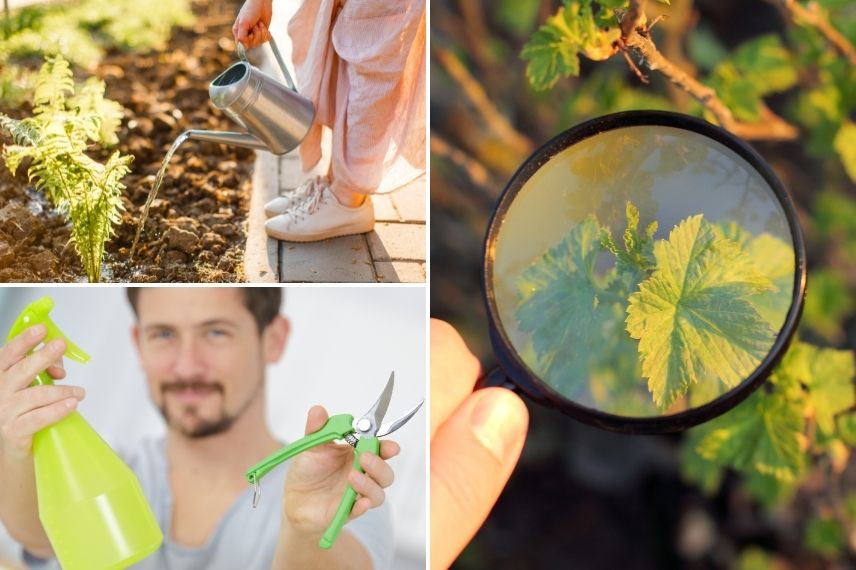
[(312, 196)]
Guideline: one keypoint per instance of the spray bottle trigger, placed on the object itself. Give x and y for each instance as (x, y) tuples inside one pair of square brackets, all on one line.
[(72, 351)]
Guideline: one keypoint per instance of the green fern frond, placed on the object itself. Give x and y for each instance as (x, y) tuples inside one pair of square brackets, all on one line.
[(23, 131), (55, 83), (66, 120), (90, 100)]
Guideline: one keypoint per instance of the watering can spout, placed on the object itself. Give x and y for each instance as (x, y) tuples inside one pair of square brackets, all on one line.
[(227, 137)]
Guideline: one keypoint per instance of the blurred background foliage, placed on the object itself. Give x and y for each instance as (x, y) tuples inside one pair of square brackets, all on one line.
[(598, 500), (81, 32)]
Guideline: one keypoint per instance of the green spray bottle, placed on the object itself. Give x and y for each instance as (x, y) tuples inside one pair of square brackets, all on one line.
[(90, 502)]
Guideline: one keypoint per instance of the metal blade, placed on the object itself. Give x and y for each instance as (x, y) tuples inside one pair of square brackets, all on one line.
[(387, 429), (378, 411)]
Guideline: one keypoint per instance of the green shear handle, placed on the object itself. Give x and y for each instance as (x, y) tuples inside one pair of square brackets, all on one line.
[(336, 427), (365, 444), (362, 434)]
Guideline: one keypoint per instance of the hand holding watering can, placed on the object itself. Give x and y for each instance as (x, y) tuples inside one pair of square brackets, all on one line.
[(275, 116)]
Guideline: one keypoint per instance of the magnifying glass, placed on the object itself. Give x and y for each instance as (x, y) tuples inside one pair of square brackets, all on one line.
[(643, 273)]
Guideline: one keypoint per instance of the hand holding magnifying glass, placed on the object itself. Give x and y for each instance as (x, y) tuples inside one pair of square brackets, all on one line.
[(476, 439)]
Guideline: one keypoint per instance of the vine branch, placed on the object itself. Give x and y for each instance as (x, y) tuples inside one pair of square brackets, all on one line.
[(473, 90), (811, 15), (771, 126)]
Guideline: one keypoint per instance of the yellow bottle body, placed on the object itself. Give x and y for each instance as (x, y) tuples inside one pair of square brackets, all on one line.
[(90, 502)]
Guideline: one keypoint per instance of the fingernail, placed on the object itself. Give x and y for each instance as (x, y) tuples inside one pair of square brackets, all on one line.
[(70, 404), (57, 346), (494, 424), (37, 330), (78, 392), (367, 459), (360, 478)]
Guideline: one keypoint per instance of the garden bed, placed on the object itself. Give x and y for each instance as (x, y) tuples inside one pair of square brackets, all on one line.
[(196, 227)]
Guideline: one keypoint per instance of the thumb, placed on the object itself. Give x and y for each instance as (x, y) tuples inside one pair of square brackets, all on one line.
[(315, 419), (472, 456)]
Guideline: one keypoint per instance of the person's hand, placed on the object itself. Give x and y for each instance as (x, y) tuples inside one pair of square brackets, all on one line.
[(317, 479), (476, 440), (252, 25), (26, 409)]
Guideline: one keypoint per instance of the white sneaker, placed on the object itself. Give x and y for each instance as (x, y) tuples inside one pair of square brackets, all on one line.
[(282, 204), (320, 216)]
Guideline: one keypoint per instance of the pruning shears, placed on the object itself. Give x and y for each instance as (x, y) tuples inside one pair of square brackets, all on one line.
[(362, 434)]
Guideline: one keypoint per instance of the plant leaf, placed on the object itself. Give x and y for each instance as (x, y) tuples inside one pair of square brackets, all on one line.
[(553, 50), (845, 146), (693, 317), (560, 305), (828, 374), (763, 434)]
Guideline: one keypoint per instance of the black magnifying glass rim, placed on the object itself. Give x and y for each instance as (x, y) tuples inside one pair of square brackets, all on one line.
[(518, 372)]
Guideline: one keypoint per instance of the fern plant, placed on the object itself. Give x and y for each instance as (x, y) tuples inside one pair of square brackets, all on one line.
[(66, 119)]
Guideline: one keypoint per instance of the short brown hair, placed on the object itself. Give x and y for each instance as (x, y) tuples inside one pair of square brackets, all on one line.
[(262, 302)]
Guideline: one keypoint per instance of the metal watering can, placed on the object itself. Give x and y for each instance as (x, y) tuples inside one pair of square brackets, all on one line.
[(276, 117)]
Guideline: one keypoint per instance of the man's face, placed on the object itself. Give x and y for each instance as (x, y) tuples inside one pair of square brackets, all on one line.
[(203, 356)]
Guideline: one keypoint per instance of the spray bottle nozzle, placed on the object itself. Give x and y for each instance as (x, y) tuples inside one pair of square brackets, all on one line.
[(38, 312)]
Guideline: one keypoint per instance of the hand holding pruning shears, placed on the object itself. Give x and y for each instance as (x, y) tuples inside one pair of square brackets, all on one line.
[(328, 484)]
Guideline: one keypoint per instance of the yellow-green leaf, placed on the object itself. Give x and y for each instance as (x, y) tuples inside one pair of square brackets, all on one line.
[(693, 315)]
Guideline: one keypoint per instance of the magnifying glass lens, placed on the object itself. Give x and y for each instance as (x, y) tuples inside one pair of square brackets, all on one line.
[(643, 271)]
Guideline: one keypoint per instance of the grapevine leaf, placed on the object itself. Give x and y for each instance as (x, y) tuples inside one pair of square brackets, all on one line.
[(845, 146), (762, 434), (695, 468), (828, 374), (692, 316), (560, 306), (774, 258), (768, 490), (553, 50)]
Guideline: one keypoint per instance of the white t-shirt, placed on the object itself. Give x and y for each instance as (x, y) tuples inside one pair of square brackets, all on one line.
[(245, 537)]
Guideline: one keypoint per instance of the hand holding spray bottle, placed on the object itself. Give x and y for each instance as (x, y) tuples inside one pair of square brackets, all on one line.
[(90, 503)]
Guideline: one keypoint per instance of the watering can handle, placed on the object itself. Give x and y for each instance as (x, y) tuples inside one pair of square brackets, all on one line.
[(243, 55)]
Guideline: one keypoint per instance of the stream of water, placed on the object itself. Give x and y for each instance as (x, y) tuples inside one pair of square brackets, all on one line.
[(154, 191)]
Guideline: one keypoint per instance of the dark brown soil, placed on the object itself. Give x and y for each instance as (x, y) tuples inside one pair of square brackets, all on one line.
[(196, 228)]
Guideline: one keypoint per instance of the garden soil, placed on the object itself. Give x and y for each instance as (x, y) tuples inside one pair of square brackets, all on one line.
[(196, 230)]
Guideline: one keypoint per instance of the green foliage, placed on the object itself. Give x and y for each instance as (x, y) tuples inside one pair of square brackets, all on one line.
[(845, 145), (834, 215), (66, 119), (693, 318), (825, 537), (760, 67), (136, 25), (827, 299), (766, 438), (562, 283), (695, 302), (579, 26), (827, 375), (81, 33), (754, 558), (762, 434), (518, 16), (756, 69)]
